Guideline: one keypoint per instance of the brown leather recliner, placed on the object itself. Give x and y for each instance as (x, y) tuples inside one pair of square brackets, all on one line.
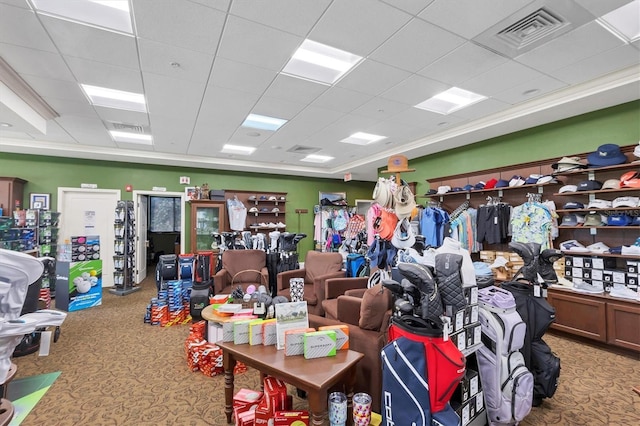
[(318, 267), (241, 268), (367, 312), (335, 287)]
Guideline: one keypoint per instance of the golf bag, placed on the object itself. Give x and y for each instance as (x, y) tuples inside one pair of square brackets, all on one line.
[(443, 366), (199, 299), (166, 270), (507, 383), (357, 265), (185, 266), (204, 266), (538, 314)]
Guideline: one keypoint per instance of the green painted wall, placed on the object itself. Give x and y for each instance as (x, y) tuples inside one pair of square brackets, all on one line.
[(619, 125), (45, 174)]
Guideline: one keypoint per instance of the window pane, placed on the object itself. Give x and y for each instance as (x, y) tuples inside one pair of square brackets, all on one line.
[(162, 214), (176, 214)]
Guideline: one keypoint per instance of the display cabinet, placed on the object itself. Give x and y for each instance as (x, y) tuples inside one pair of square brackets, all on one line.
[(207, 218), (11, 190)]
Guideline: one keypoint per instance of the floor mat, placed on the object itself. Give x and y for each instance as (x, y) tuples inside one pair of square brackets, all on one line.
[(25, 393)]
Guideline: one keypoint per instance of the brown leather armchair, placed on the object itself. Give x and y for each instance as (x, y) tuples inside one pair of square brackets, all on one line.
[(335, 287), (318, 267), (374, 313), (241, 268)]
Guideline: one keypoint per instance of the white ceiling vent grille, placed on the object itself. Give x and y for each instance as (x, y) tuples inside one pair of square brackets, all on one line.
[(531, 29), (131, 128), (300, 149), (537, 24)]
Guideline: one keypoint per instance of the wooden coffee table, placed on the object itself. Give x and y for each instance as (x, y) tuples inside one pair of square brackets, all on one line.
[(315, 376)]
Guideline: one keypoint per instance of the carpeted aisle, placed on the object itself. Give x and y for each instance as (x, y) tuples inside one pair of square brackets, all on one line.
[(117, 370)]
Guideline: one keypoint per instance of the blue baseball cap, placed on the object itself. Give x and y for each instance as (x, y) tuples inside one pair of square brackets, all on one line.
[(502, 183)]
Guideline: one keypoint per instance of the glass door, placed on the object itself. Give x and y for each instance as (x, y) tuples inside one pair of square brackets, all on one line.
[(207, 221)]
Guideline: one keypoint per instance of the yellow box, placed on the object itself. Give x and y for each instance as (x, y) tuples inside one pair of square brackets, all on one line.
[(255, 332), (342, 335), (320, 344)]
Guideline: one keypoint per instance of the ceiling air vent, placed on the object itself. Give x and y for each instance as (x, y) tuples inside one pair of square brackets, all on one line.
[(531, 27), (131, 128), (305, 150)]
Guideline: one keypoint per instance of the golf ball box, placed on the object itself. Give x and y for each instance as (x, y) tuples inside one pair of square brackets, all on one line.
[(78, 285)]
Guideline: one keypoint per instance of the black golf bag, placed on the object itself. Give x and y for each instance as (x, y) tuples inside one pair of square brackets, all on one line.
[(166, 270), (538, 315)]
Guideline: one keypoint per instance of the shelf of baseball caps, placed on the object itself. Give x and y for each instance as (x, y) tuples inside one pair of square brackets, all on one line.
[(265, 210)]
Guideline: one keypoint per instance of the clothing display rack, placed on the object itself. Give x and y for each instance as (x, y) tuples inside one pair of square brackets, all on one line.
[(124, 247)]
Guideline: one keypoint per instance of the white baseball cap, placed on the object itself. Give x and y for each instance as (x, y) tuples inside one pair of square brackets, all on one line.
[(599, 204), (626, 202), (444, 189), (568, 188)]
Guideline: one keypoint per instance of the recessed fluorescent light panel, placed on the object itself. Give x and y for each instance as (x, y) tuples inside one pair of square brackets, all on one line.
[(110, 98), (263, 122), (320, 63), (623, 22), (450, 100), (127, 137), (315, 158), (360, 138), (238, 149), (106, 14)]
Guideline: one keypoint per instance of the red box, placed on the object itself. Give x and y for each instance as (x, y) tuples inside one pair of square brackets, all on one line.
[(275, 392), (290, 418), (263, 414), (246, 398), (244, 418)]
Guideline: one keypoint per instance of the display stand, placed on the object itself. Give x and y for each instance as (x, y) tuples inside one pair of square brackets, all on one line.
[(396, 165), (79, 285), (124, 248)]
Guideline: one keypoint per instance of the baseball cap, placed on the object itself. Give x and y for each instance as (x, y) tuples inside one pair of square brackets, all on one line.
[(491, 183), (502, 183), (571, 205), (626, 201), (467, 187), (443, 189), (572, 220), (431, 192), (621, 220), (568, 188), (636, 151), (516, 180), (532, 179), (594, 219), (589, 185), (599, 204), (253, 210), (479, 185), (611, 184), (608, 154), (566, 164), (630, 180)]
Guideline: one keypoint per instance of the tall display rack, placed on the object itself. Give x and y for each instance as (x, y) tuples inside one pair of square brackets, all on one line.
[(124, 249)]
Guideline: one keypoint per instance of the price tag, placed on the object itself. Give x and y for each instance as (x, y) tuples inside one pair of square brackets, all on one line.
[(536, 290)]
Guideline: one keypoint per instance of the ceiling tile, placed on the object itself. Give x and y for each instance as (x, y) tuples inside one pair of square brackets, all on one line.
[(411, 6), (599, 7), (468, 18), (278, 108), (419, 118), (599, 65), (55, 133), (293, 16), (414, 90), (87, 131), (170, 97), (412, 48), (160, 58), (249, 137), (12, 134), (81, 41), (124, 117), (225, 107), (171, 135), (311, 120), (27, 61), (462, 64), (17, 3), (105, 75), (222, 5), (372, 78), (179, 23), (59, 89), (135, 147), (581, 43), (239, 76), (358, 26), (517, 94), (66, 107), (340, 99), (21, 27), (295, 89), (255, 44), (380, 108), (344, 127), (481, 109), (498, 79)]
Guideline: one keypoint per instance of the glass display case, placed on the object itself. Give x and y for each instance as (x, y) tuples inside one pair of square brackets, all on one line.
[(207, 217)]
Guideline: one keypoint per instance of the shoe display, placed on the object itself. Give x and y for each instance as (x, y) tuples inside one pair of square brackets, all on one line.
[(624, 292), (630, 250), (574, 246), (280, 225)]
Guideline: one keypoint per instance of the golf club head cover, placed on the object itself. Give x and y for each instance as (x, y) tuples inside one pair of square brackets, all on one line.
[(450, 282), (421, 276), (394, 287), (545, 264), (529, 253)]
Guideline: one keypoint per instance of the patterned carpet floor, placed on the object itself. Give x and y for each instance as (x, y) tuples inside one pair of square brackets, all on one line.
[(117, 370)]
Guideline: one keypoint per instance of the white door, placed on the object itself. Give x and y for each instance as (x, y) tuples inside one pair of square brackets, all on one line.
[(142, 226), (142, 211), (90, 212)]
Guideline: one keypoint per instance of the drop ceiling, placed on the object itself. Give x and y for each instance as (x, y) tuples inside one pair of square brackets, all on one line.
[(204, 65)]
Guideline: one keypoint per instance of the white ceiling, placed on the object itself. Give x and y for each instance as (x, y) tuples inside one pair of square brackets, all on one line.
[(230, 53)]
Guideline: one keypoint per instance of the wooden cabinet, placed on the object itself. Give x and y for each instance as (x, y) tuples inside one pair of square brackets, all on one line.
[(579, 314), (11, 190), (207, 218), (623, 324)]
